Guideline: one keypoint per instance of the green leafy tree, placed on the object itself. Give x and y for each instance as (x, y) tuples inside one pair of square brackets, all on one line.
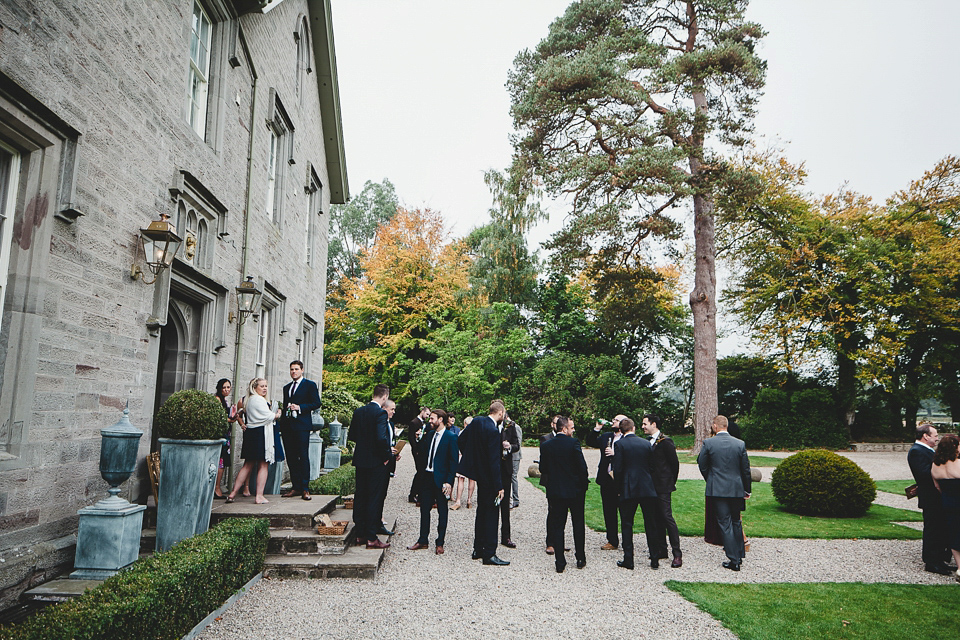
[(624, 108)]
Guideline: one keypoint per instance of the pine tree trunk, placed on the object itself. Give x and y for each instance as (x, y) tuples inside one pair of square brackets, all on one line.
[(703, 303)]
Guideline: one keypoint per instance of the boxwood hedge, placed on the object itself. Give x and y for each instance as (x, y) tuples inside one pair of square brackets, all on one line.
[(342, 481), (163, 596)]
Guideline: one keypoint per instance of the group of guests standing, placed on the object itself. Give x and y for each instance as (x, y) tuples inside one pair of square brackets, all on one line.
[(935, 467)]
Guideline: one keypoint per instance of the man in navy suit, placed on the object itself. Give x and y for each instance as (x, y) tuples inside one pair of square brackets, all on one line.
[(371, 457), (725, 466), (300, 398), (632, 461), (563, 471), (920, 459), (484, 444), (441, 455), (609, 491)]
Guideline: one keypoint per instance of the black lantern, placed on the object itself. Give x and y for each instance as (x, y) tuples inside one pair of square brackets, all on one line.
[(160, 243), (248, 299)]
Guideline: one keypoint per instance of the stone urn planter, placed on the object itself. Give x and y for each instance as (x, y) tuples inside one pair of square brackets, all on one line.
[(188, 424)]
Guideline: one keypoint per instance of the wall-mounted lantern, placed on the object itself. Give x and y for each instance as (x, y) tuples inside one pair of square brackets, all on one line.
[(159, 243)]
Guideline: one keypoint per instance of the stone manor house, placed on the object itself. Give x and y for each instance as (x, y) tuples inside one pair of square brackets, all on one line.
[(223, 115)]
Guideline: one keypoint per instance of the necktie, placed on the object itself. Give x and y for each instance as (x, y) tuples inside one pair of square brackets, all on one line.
[(433, 451), (293, 389)]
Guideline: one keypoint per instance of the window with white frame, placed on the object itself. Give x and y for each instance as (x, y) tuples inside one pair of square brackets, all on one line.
[(280, 156), (307, 341), (314, 204), (304, 54), (263, 341), (9, 179), (201, 33)]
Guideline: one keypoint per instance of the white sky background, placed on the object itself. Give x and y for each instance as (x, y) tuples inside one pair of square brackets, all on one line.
[(865, 92)]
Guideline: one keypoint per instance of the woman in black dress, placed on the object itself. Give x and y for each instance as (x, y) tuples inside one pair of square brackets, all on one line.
[(224, 387), (946, 476)]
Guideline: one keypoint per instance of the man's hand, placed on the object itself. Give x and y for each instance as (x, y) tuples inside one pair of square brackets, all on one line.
[(293, 407), (447, 489), (609, 451), (746, 496), (597, 427), (506, 445), (500, 495)]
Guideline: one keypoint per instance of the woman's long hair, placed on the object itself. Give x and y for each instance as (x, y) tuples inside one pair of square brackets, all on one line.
[(223, 399), (946, 450)]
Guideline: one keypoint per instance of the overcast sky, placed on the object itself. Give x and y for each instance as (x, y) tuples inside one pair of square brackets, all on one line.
[(865, 92)]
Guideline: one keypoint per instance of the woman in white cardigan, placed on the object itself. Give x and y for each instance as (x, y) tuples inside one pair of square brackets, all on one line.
[(257, 445)]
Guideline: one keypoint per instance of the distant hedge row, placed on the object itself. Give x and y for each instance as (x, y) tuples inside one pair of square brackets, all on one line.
[(163, 596)]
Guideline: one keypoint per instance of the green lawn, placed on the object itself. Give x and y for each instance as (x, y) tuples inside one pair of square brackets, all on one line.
[(894, 486), (828, 610), (755, 461), (765, 518)]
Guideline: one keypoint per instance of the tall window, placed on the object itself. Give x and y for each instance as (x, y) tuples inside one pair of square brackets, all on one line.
[(273, 176), (281, 156), (201, 31), (9, 174), (263, 341), (314, 202), (302, 38)]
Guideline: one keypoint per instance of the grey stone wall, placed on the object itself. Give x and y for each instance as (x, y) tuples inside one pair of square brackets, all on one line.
[(116, 72)]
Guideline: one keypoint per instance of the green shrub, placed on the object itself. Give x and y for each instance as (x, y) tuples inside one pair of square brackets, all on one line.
[(342, 481), (337, 403), (817, 482), (163, 596), (782, 420), (191, 414)]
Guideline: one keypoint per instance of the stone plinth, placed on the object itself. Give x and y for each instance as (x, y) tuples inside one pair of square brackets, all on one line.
[(107, 541)]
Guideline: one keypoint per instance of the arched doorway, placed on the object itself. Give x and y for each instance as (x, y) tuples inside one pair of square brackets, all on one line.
[(179, 342)]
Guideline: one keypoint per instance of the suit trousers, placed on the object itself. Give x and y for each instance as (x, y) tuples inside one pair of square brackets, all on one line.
[(557, 524), (515, 482), (505, 505), (935, 547), (731, 527), (667, 524), (610, 498), (296, 448), (429, 493), (628, 511), (485, 525), (368, 501)]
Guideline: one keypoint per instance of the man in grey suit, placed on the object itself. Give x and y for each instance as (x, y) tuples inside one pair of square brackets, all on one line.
[(724, 464), (632, 461)]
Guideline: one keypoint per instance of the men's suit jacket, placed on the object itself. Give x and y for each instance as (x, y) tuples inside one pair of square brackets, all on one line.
[(602, 441), (920, 459), (308, 397), (517, 455), (632, 460), (563, 469), (724, 464), (509, 434), (368, 429), (445, 458), (666, 465), (483, 445)]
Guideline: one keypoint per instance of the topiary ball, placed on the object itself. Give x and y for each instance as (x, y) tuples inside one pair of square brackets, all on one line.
[(191, 414), (818, 482)]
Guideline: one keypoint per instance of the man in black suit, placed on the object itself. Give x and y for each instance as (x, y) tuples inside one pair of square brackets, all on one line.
[(725, 466), (609, 492), (300, 398), (414, 435), (666, 470), (632, 460), (371, 457), (441, 455), (510, 443), (920, 458), (563, 471), (484, 445)]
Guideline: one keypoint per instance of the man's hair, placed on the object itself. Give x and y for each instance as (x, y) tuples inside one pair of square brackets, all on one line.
[(422, 409), (496, 406), (298, 362), (627, 425), (924, 429), (652, 418), (440, 413), (389, 403), (381, 391), (721, 422), (562, 421)]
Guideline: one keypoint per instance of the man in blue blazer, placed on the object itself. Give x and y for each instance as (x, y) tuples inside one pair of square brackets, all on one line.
[(725, 466), (300, 398), (371, 457), (440, 453), (484, 446), (632, 461), (563, 471)]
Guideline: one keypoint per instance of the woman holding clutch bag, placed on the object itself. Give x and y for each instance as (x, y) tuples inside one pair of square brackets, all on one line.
[(258, 442)]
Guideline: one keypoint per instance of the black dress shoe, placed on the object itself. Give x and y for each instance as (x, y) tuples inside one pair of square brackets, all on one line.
[(384, 531), (625, 564), (677, 562), (581, 564), (561, 567), (654, 563), (940, 568), (733, 566), (474, 556), (510, 544), (496, 561)]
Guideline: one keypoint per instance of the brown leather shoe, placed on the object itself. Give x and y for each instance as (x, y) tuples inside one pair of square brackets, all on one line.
[(608, 547), (306, 495), (439, 550), (416, 546), (376, 544), (677, 562), (289, 494), (549, 551)]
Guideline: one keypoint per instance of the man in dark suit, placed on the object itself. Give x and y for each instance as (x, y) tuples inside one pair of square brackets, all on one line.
[(441, 454), (371, 457), (632, 460), (300, 398), (484, 445), (414, 435), (563, 471), (510, 443), (724, 464), (666, 469), (609, 492), (920, 459)]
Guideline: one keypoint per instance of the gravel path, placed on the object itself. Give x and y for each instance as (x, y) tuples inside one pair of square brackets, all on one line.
[(421, 595)]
